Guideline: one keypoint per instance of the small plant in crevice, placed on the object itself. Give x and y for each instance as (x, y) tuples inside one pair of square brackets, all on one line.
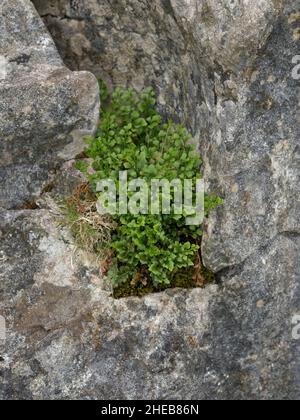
[(141, 252)]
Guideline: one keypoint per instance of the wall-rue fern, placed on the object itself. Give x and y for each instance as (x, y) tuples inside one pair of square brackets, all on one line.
[(132, 137)]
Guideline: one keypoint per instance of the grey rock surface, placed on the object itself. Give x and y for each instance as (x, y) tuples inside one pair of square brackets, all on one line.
[(45, 108), (68, 338), (225, 69)]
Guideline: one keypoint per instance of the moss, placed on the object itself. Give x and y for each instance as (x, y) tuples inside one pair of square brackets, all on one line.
[(30, 205), (126, 290), (184, 279), (208, 275)]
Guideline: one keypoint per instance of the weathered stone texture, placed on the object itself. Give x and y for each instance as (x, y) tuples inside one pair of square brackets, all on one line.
[(224, 68), (44, 106), (68, 338)]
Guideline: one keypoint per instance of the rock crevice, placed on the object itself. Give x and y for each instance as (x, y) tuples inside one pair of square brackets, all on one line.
[(224, 69)]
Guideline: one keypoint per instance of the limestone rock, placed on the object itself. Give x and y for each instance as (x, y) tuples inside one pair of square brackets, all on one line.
[(44, 106), (230, 32), (68, 338), (129, 43), (233, 87), (224, 68)]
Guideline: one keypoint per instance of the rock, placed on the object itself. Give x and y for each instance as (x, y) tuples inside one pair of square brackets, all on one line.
[(129, 43), (257, 136), (225, 70), (69, 339), (229, 32), (45, 109), (139, 43)]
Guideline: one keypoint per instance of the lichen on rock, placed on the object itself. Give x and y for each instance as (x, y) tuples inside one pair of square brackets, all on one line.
[(224, 68)]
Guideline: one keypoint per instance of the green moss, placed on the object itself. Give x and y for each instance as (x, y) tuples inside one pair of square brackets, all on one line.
[(104, 95), (208, 275), (183, 279)]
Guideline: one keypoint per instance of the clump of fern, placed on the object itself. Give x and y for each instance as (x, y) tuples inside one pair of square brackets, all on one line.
[(133, 137)]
